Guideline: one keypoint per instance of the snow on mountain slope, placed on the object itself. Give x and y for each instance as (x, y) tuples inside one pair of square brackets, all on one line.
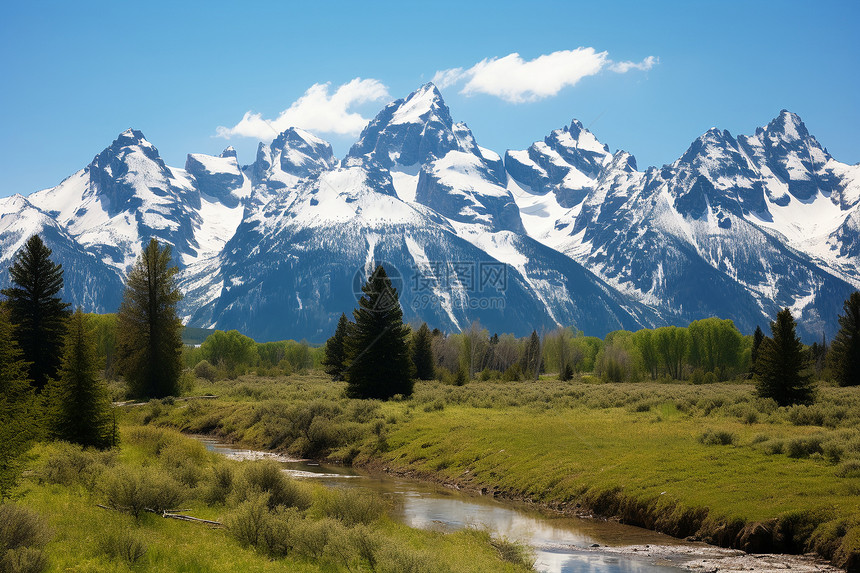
[(294, 265), (88, 282), (416, 135), (715, 233), (567, 232), (124, 197)]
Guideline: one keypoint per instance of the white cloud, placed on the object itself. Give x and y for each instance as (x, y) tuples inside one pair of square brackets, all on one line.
[(315, 111), (644, 65), (516, 80)]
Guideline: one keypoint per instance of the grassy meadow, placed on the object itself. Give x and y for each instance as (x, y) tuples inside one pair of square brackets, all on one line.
[(711, 461), (270, 522)]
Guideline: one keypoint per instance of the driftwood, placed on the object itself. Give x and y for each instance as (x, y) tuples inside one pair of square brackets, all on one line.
[(169, 515), (182, 517)]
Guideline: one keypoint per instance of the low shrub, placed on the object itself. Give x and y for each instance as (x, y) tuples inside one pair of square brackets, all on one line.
[(251, 522), (23, 534), (849, 469), (219, 484), (266, 477), (141, 489), (24, 560), (205, 371), (122, 545), (717, 438), (68, 464), (350, 506), (803, 447)]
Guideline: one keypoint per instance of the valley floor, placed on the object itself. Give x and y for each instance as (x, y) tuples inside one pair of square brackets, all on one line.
[(710, 462)]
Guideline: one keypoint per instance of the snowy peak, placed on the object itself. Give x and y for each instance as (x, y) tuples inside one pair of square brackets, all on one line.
[(422, 106), (412, 130), (568, 163), (294, 155), (787, 126), (229, 152)]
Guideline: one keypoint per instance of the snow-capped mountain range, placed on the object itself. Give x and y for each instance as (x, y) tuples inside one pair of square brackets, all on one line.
[(562, 233)]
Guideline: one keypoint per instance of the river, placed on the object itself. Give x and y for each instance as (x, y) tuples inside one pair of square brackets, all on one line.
[(561, 544)]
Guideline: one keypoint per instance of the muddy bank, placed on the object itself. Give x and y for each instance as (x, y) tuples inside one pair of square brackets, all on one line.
[(732, 545)]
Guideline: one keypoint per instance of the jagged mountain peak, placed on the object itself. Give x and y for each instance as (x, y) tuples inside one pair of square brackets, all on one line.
[(787, 126), (583, 138), (411, 130), (294, 154), (421, 106), (229, 152)]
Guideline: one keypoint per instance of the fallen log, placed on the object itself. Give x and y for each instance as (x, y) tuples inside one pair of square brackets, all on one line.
[(182, 517), (168, 515)]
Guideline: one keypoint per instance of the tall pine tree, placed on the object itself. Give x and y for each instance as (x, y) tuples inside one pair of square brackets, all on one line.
[(38, 314), (334, 361), (845, 349), (18, 418), (781, 364), (80, 408), (532, 357), (758, 337), (378, 344), (149, 341), (422, 353)]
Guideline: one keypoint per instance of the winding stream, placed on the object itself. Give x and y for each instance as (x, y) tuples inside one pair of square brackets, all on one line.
[(561, 544)]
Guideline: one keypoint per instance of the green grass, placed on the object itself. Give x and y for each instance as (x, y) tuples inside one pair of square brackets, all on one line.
[(64, 484), (683, 459)]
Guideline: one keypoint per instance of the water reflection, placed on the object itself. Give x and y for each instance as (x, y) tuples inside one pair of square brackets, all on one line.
[(561, 544)]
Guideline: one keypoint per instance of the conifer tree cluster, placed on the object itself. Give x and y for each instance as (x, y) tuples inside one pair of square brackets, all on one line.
[(372, 353), (18, 415)]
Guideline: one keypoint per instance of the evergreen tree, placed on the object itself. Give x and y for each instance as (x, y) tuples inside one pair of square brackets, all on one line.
[(781, 364), (422, 353), (149, 342), (379, 364), (758, 337), (334, 361), (532, 357), (845, 348), (38, 314), (80, 405), (18, 419)]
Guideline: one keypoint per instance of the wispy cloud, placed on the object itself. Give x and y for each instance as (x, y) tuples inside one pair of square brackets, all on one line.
[(644, 65), (316, 110), (516, 80)]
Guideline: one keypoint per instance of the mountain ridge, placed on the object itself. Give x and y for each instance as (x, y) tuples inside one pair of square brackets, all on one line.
[(736, 226)]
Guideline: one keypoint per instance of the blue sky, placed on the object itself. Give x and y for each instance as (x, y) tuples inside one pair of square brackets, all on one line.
[(649, 77)]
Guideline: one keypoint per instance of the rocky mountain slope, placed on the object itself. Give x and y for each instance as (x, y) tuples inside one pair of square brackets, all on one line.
[(563, 233)]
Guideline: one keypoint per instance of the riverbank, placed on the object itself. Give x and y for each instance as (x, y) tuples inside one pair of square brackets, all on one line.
[(705, 461), (162, 502)]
